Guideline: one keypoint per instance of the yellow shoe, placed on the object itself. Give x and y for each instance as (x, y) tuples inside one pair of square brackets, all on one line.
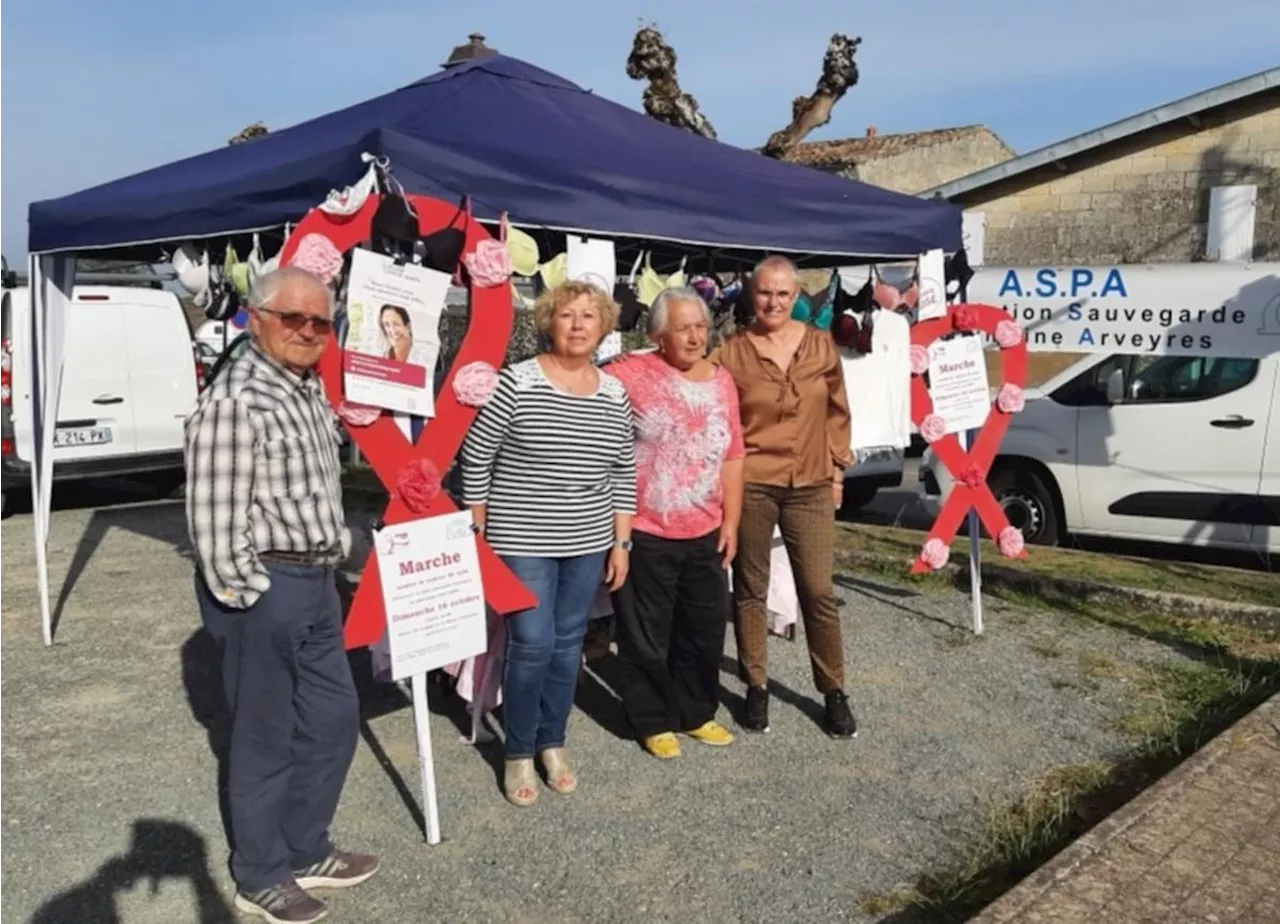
[(664, 746), (712, 733)]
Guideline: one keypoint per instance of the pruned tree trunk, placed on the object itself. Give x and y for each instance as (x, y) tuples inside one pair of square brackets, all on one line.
[(654, 60), (839, 73), (248, 133)]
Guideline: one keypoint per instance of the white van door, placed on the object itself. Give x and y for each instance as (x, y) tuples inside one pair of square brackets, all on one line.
[(95, 411), (1179, 456), (162, 374), (1266, 535)]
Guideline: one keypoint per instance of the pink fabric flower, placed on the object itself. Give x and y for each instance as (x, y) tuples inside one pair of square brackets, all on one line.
[(933, 428), (966, 317), (418, 484), (474, 383), (317, 255), (971, 476), (358, 415), (1008, 334), (489, 264), (919, 359), (1009, 399), (1011, 542), (934, 554)]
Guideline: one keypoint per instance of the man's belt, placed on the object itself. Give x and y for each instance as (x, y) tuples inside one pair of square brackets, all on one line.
[(301, 559)]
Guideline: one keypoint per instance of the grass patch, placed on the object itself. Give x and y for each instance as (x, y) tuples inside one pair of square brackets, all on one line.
[(1181, 706), (1047, 649), (1235, 585)]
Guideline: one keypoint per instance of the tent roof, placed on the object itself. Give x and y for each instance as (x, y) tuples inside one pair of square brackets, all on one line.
[(515, 138)]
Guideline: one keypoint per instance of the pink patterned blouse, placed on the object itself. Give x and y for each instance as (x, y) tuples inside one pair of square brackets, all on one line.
[(685, 432)]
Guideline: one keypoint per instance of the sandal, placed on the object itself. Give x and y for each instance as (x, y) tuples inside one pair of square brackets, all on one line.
[(560, 775), (520, 782)]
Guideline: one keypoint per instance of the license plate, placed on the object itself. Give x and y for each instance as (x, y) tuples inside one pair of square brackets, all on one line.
[(82, 436)]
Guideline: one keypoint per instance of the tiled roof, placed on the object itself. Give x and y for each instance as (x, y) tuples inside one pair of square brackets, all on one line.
[(851, 150)]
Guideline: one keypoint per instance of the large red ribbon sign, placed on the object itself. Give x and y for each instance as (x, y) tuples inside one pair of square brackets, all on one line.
[(383, 443), (969, 469)]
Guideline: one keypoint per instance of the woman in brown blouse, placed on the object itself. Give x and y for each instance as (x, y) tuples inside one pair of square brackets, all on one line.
[(795, 423)]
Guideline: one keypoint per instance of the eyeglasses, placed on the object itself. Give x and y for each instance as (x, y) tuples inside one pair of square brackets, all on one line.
[(296, 320)]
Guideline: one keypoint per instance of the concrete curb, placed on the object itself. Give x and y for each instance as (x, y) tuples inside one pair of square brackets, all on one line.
[(1263, 720), (1066, 591)]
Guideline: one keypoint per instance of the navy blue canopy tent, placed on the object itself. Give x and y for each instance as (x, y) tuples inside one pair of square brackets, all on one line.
[(517, 139)]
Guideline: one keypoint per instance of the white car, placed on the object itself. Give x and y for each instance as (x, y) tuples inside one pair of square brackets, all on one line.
[(1182, 449), (130, 377)]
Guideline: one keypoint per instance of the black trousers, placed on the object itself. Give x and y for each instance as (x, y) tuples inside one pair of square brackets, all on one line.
[(670, 621), (295, 718)]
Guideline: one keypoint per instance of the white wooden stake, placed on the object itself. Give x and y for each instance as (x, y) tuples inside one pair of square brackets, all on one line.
[(426, 765)]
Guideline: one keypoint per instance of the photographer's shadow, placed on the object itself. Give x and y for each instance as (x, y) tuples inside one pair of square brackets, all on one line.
[(160, 851)]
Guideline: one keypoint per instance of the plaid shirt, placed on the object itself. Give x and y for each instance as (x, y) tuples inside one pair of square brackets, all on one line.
[(263, 475)]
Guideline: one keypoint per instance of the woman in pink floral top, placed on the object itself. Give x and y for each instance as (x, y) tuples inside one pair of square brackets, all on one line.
[(672, 612)]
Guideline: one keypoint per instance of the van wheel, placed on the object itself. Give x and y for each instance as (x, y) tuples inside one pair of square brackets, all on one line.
[(856, 497), (1028, 503)]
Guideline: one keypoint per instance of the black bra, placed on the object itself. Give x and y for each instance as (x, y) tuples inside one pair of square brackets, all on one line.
[(395, 233)]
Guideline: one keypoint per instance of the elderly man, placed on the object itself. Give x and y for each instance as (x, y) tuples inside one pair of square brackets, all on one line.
[(795, 424), (264, 508)]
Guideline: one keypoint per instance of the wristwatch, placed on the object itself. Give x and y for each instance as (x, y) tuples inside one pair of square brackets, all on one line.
[(624, 544)]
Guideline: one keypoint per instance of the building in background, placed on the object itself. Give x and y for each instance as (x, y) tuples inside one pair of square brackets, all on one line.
[(908, 162), (1197, 179)]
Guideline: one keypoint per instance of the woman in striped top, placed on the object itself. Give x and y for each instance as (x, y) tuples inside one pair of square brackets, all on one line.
[(549, 471)]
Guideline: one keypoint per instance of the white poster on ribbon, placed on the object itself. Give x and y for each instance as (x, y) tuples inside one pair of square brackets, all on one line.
[(592, 260), (958, 382), (393, 333), (933, 286), (431, 592)]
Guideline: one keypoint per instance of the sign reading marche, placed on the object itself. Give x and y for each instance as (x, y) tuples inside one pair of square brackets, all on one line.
[(432, 592), (1210, 309)]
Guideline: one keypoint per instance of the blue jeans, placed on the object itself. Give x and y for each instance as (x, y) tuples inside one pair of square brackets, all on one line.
[(544, 649)]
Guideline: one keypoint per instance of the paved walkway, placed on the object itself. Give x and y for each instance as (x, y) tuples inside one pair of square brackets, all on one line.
[(1202, 845)]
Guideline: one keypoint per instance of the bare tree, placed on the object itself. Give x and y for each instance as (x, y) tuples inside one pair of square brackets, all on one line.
[(654, 60), (839, 73), (248, 133)]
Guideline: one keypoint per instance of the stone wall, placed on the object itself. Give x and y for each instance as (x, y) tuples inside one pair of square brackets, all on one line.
[(919, 168), (1142, 200)]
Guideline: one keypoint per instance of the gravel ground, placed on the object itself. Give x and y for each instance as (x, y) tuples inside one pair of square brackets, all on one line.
[(111, 809)]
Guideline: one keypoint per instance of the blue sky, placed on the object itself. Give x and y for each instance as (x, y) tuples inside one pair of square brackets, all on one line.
[(92, 91)]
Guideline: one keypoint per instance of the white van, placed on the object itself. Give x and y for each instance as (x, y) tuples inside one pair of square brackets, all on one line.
[(129, 379), (1182, 449)]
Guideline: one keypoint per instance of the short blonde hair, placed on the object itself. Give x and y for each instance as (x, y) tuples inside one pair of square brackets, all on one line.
[(553, 300)]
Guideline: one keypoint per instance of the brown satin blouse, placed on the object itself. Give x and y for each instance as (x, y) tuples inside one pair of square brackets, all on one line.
[(796, 423)]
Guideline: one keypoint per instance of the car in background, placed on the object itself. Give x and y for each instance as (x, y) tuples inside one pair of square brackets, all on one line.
[(130, 377), (1182, 449), (874, 468)]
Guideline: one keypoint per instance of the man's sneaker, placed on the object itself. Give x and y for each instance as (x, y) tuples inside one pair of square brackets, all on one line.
[(339, 870), (282, 904), (840, 720), (756, 718), (712, 733)]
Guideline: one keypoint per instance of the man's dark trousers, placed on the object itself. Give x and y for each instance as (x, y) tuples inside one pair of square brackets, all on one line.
[(670, 621), (295, 718)]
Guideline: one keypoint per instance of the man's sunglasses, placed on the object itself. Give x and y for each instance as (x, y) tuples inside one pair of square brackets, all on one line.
[(296, 320)]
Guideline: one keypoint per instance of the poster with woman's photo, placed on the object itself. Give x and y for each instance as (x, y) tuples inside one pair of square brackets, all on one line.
[(393, 333)]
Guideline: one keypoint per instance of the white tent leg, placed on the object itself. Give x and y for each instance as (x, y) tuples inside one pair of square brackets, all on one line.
[(51, 279)]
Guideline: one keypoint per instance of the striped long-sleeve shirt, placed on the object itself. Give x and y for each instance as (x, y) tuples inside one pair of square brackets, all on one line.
[(551, 468), (263, 475)]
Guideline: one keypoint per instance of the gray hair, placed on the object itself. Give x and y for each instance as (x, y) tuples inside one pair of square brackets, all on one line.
[(266, 288), (776, 262), (661, 308)]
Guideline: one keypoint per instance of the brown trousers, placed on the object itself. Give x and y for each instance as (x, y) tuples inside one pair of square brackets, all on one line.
[(806, 517)]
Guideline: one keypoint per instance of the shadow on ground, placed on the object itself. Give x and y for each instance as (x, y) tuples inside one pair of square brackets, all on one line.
[(160, 851)]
